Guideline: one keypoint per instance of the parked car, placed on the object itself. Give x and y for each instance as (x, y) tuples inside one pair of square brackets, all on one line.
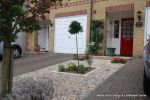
[(146, 79), (16, 48)]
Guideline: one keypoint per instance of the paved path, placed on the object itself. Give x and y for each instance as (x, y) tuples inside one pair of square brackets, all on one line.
[(28, 63), (127, 81)]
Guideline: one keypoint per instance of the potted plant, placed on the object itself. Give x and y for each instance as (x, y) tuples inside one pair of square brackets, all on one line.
[(37, 48), (110, 51)]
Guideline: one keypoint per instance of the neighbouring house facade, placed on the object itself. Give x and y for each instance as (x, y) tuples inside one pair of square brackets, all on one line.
[(126, 26)]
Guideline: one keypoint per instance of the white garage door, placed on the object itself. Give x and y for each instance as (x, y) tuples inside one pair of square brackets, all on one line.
[(64, 41), (147, 25)]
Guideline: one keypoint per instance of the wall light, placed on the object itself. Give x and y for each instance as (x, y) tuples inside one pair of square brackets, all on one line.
[(139, 14), (139, 22), (50, 23)]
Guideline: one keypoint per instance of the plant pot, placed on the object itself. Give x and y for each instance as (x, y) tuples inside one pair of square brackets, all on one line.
[(110, 51), (37, 49)]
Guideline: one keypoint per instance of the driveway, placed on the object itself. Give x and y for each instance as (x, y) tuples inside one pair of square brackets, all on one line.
[(126, 83), (28, 63)]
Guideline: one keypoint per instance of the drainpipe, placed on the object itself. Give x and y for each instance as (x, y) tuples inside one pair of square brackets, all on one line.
[(91, 15)]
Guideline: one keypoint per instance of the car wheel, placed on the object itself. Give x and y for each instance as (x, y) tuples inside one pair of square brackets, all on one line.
[(146, 84), (17, 52)]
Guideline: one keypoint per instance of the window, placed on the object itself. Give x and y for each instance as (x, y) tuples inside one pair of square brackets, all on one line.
[(116, 29), (127, 29)]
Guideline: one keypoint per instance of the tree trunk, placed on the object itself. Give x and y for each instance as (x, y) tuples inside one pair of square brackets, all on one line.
[(7, 69), (77, 49)]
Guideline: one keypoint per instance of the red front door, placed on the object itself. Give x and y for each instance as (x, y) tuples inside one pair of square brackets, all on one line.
[(127, 37)]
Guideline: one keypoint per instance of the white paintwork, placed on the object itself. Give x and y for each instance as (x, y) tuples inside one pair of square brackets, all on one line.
[(147, 25), (21, 40), (64, 41), (43, 38), (111, 41), (114, 42)]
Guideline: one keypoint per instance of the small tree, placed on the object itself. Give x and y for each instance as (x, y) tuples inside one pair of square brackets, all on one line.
[(74, 28)]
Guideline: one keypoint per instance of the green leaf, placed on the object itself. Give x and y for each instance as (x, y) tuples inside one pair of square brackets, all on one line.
[(16, 10), (75, 27)]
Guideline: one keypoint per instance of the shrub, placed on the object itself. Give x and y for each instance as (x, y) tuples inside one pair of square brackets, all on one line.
[(123, 61), (82, 69), (61, 68), (115, 60), (72, 67), (89, 59), (97, 36), (119, 60)]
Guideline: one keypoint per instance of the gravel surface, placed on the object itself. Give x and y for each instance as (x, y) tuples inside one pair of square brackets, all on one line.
[(75, 87), (69, 86), (32, 87)]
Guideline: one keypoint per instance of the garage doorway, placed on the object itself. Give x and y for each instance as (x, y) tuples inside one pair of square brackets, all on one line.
[(64, 41)]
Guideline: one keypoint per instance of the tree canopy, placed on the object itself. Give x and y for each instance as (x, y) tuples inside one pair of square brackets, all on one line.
[(75, 27), (22, 16)]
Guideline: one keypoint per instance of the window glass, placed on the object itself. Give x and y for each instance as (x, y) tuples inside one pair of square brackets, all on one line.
[(127, 29), (116, 29)]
